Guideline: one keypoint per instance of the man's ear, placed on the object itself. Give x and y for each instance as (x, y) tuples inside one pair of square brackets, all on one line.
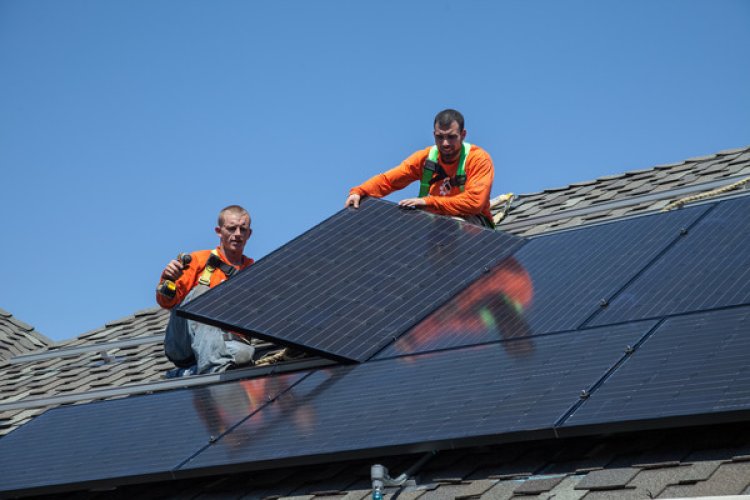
[(218, 230), (463, 135)]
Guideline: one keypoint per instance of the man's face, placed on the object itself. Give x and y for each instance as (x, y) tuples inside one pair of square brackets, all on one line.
[(234, 232), (449, 140)]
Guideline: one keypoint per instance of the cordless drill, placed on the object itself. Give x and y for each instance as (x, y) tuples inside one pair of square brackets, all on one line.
[(168, 288)]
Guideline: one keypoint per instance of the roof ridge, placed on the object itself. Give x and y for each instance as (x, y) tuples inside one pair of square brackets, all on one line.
[(625, 202), (628, 173)]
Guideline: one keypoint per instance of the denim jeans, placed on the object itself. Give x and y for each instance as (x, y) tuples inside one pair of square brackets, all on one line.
[(189, 342)]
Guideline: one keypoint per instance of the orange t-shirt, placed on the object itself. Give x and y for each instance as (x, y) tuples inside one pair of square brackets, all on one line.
[(192, 274), (474, 200)]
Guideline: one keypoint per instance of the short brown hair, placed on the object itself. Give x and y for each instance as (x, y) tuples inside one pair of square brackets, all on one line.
[(448, 116), (234, 209)]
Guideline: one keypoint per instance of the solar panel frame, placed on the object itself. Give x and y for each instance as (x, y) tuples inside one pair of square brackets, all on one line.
[(307, 294)]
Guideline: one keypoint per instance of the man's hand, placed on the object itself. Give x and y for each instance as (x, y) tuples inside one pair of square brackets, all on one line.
[(173, 271), (352, 201), (412, 203)]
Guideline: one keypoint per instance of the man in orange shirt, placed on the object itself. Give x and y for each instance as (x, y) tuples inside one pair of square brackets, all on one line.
[(196, 347), (454, 191)]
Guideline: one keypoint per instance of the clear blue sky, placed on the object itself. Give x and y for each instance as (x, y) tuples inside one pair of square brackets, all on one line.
[(126, 125)]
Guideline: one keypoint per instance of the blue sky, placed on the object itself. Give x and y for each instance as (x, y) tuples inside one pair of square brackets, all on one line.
[(125, 126)]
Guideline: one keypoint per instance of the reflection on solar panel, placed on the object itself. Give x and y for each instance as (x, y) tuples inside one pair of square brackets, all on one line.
[(466, 394), (692, 365), (553, 283), (708, 268), (350, 285), (138, 436)]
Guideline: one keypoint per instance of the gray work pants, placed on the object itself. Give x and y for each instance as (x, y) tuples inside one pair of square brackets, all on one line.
[(189, 342)]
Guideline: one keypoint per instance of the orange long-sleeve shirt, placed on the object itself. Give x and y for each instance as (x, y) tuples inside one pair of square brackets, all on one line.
[(192, 274), (474, 200)]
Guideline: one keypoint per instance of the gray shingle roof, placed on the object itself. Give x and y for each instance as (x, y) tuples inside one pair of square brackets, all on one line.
[(95, 360), (630, 193), (36, 374), (17, 337)]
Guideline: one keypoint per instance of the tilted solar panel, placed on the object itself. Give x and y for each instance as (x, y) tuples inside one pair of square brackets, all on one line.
[(429, 400), (708, 268), (553, 283), (350, 285), (691, 366)]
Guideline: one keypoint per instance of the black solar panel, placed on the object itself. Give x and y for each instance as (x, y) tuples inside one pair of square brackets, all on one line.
[(692, 365), (553, 283), (353, 283), (399, 403), (510, 354), (709, 267), (138, 436)]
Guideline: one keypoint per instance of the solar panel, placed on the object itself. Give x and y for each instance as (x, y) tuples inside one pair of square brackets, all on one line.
[(708, 268), (422, 401), (692, 365), (137, 436), (553, 283), (353, 283)]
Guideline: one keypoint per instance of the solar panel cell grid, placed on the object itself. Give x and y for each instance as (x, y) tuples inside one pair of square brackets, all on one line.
[(353, 283), (708, 268), (552, 284), (145, 435), (694, 364), (478, 391)]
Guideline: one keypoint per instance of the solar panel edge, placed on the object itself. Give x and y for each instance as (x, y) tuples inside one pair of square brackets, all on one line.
[(653, 423), (275, 340), (356, 454)]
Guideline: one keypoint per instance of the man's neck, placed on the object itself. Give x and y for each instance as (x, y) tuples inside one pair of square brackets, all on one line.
[(234, 258)]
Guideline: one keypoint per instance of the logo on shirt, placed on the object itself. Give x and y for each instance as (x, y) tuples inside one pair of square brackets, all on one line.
[(445, 187)]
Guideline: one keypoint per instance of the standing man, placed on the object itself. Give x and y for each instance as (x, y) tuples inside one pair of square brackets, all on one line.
[(196, 347), (455, 176)]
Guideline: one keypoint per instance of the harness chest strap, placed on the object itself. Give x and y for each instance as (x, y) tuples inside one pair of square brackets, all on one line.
[(213, 262), (432, 166)]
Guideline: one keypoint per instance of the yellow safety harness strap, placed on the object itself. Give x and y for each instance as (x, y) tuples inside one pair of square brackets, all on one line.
[(205, 278)]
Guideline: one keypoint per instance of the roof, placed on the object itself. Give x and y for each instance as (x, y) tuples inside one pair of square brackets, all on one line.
[(120, 354), (17, 337), (630, 193), (126, 355)]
